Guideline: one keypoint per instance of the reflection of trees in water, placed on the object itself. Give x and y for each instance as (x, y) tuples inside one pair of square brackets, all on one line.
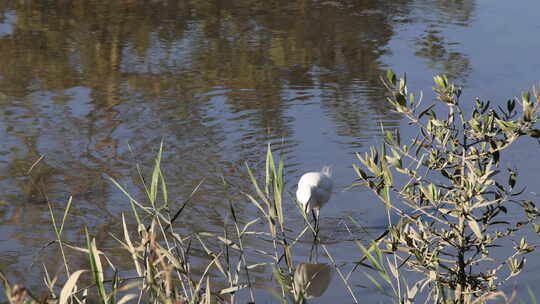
[(357, 120), (459, 12), (213, 77), (432, 44), (352, 95), (243, 44)]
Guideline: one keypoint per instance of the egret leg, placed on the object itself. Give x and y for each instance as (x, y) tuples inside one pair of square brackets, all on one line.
[(315, 213), (315, 224), (312, 252), (314, 247)]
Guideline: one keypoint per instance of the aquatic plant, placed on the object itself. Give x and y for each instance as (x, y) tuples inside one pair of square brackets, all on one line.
[(455, 206)]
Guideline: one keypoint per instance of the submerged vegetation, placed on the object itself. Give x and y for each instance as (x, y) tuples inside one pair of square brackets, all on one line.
[(454, 209)]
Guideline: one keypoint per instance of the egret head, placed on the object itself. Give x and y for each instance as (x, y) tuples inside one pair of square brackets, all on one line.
[(327, 170)]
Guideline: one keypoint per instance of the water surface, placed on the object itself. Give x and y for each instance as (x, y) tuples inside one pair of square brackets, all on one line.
[(94, 86)]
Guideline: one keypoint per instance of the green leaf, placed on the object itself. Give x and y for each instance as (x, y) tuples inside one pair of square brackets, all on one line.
[(475, 228), (402, 84), (384, 194), (536, 228), (391, 76), (96, 267), (430, 192), (374, 281), (506, 126), (360, 172), (532, 295), (526, 96), (389, 136), (535, 133), (440, 81), (512, 178), (496, 154), (510, 105), (426, 111)]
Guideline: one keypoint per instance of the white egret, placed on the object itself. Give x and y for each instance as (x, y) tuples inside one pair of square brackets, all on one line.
[(314, 190)]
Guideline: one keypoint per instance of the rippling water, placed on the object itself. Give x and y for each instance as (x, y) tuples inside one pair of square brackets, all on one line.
[(83, 82)]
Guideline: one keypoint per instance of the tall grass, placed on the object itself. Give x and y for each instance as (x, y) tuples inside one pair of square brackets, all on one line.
[(163, 257)]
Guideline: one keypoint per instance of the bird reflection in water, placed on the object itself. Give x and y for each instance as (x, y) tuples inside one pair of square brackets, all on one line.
[(311, 280)]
